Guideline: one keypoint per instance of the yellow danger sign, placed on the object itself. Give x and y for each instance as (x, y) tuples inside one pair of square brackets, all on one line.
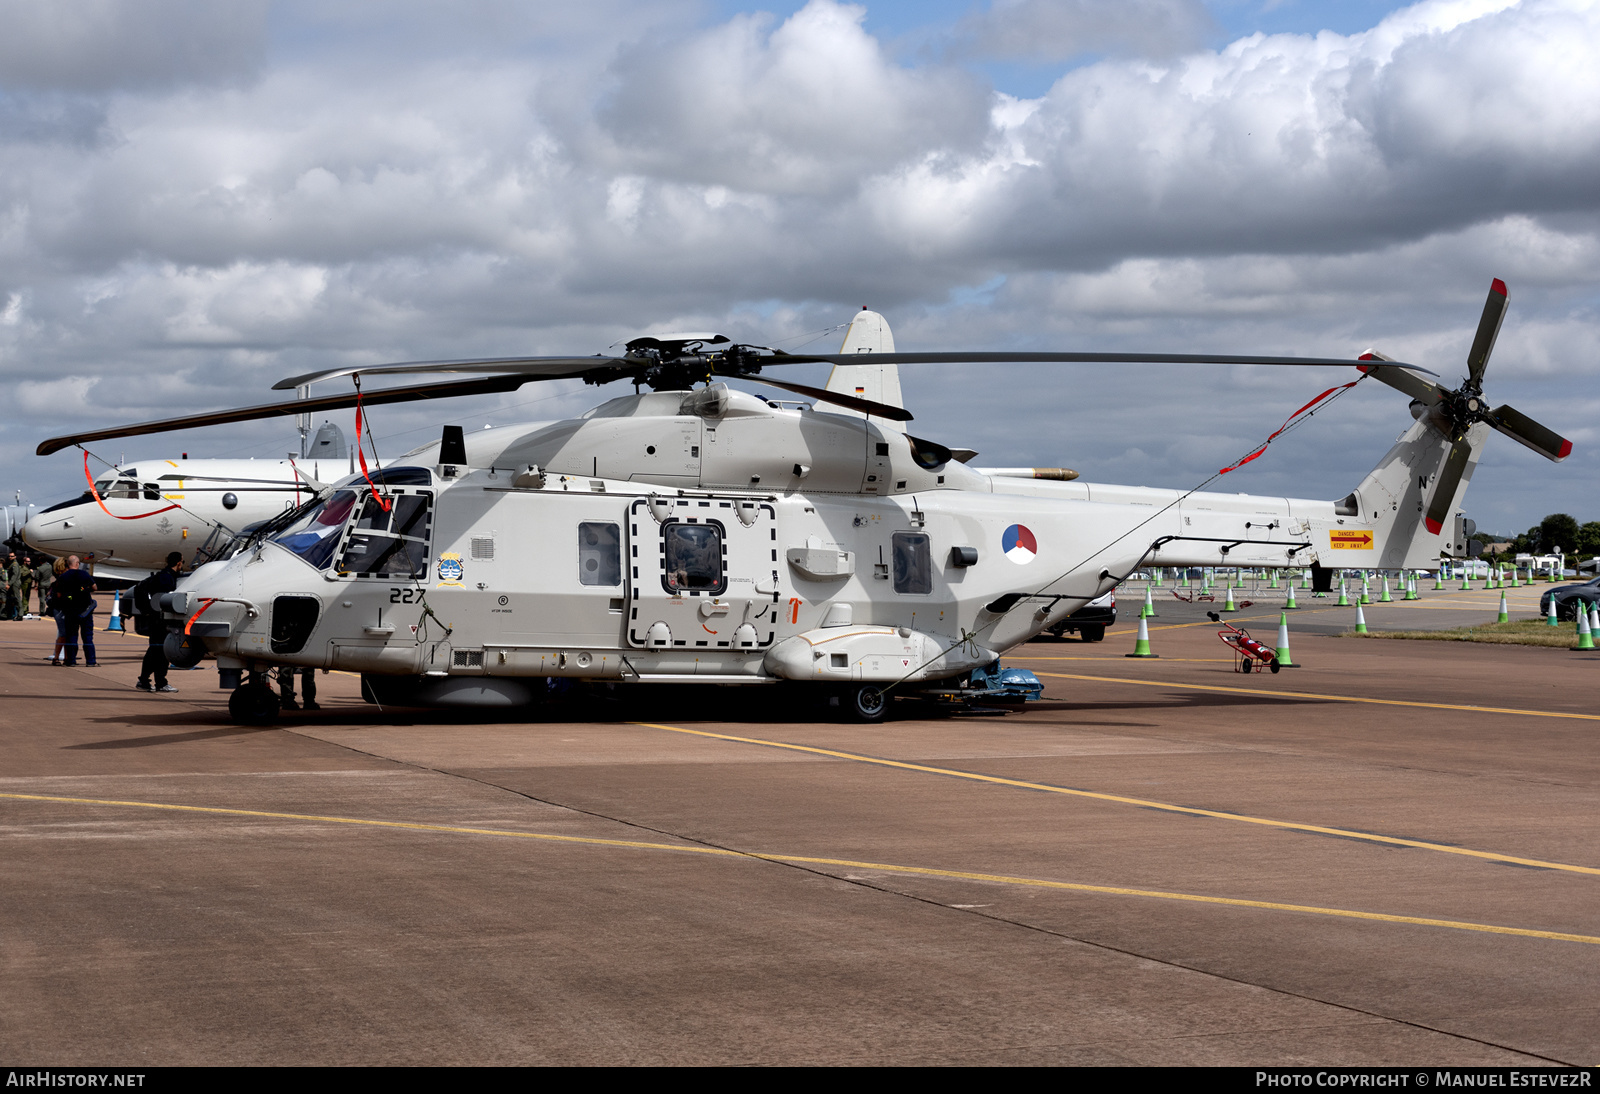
[(1349, 540)]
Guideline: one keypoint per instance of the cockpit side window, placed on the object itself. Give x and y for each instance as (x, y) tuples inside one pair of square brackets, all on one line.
[(389, 544)]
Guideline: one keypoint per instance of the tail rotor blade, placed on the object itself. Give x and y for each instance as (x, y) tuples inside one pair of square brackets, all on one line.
[(1529, 433), (1494, 312), (1444, 491), (1402, 379)]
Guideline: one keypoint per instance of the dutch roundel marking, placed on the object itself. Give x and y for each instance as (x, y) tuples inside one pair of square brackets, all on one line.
[(1019, 545)]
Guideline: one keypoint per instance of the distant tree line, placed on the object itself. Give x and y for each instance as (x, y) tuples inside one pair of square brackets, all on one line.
[(1557, 532)]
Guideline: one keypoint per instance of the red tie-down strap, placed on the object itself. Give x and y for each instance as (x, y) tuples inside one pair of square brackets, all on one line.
[(361, 452), (204, 604), (1293, 419), (109, 513)]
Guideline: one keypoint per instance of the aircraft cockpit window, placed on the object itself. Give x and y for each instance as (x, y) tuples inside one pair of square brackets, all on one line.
[(913, 563), (118, 489), (692, 558), (389, 544), (599, 553), (152, 491), (314, 536)]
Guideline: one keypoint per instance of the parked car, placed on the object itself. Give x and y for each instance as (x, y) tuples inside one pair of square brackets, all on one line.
[(1567, 597), (1090, 621)]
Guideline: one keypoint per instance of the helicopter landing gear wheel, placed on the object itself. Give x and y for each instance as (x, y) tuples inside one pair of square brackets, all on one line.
[(253, 704), (866, 703)]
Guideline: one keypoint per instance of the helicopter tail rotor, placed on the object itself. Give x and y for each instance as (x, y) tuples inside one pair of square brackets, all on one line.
[(1453, 413)]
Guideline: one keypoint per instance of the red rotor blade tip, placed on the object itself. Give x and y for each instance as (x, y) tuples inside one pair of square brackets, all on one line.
[(1566, 449), (1498, 286), (1434, 526)]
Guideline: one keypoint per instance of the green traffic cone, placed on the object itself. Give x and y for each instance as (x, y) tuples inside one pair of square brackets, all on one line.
[(1149, 609), (1386, 598), (1505, 616), (1361, 620), (1585, 638), (1284, 660), (1274, 584), (1438, 579), (1366, 590), (1464, 586), (1290, 602), (1551, 620), (1344, 596), (1229, 606), (1141, 646), (1411, 587)]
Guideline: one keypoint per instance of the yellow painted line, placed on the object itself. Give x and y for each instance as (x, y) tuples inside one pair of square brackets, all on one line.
[(851, 864), (1329, 698), (1143, 803)]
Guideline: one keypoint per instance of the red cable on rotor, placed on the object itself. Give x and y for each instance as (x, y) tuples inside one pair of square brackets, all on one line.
[(1292, 420), (361, 453), (96, 495)]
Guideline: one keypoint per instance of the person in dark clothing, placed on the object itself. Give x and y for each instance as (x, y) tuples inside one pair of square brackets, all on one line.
[(153, 625), (75, 603), (308, 687)]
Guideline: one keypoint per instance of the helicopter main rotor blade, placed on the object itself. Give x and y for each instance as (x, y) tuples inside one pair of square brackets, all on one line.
[(409, 394), (1009, 358), (866, 406), (1494, 313), (1402, 380), (530, 368), (1529, 433), (1444, 490)]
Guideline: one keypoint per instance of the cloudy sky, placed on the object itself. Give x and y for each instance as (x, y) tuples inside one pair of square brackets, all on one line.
[(198, 199)]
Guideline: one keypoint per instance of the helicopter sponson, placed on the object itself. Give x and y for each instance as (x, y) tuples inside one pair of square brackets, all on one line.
[(711, 537)]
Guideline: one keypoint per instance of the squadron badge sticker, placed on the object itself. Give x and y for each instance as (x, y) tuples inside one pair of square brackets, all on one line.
[(450, 569)]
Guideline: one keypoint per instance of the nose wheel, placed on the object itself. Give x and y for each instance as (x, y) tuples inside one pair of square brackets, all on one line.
[(865, 703), (253, 703)]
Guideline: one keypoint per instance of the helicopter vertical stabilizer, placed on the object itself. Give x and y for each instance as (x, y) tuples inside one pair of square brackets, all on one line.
[(1393, 500), (869, 333)]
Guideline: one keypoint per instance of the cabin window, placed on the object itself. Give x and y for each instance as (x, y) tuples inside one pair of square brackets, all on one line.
[(599, 553), (692, 557), (913, 563), (389, 543)]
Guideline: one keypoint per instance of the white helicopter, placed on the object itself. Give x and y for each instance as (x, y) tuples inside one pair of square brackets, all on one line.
[(705, 535), (132, 515)]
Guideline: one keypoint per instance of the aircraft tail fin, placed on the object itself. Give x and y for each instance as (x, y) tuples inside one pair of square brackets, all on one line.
[(868, 334), (1392, 502)]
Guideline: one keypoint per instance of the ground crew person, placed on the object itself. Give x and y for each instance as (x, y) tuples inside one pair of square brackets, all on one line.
[(153, 625), (27, 582), (14, 603), (44, 575)]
